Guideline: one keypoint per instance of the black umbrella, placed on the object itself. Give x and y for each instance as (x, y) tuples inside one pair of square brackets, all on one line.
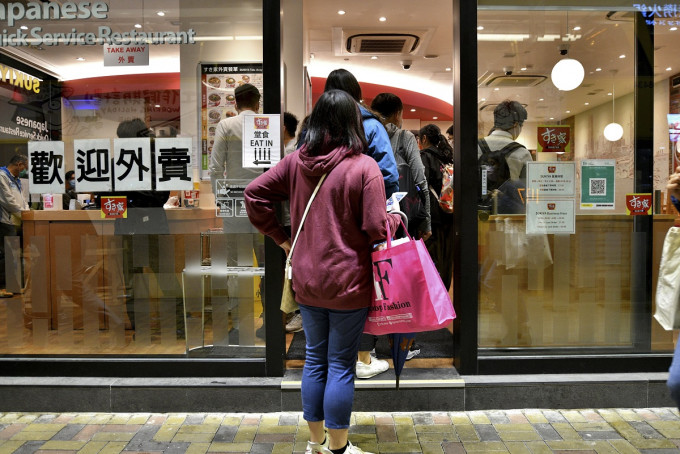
[(400, 343)]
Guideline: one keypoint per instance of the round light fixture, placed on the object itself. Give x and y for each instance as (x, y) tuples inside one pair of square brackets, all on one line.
[(567, 74), (613, 132)]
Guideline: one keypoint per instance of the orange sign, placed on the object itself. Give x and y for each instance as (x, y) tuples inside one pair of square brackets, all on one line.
[(638, 204), (113, 207), (555, 138)]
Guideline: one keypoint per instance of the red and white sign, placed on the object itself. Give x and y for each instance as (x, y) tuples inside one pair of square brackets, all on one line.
[(555, 138), (129, 55), (113, 207), (638, 204)]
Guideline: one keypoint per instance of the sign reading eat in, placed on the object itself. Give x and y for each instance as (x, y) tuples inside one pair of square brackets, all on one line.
[(129, 55)]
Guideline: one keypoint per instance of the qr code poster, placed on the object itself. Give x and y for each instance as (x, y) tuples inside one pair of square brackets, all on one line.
[(597, 184)]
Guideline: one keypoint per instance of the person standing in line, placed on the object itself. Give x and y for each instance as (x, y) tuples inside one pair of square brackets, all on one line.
[(449, 135), (435, 154), (70, 186), (508, 119), (379, 147), (332, 276), (673, 381), (12, 203)]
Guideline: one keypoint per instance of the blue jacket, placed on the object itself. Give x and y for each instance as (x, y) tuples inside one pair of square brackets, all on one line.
[(380, 149)]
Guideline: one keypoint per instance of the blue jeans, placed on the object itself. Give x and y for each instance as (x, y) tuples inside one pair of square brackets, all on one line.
[(331, 355), (674, 376)]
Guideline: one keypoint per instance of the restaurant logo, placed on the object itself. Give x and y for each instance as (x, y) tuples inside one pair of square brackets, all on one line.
[(552, 169), (551, 206), (261, 122)]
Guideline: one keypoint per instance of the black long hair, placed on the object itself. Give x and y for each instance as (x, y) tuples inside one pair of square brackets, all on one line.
[(341, 79), (335, 122), (435, 137)]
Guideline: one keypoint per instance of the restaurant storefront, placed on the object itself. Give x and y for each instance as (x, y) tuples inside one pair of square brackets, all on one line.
[(146, 275)]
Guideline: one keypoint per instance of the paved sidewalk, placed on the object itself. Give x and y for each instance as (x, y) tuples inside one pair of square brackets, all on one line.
[(654, 430)]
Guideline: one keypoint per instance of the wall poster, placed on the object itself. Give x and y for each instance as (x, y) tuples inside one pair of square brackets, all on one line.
[(217, 84)]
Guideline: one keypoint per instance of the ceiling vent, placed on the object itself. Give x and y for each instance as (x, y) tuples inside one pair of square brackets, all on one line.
[(394, 42), (492, 106), (382, 44), (512, 81)]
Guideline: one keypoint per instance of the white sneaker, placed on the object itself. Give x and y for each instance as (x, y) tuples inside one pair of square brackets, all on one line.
[(351, 449), (295, 324), (319, 448), (377, 366), (413, 352)]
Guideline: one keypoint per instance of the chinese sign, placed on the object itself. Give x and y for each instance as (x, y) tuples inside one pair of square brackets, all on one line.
[(229, 198), (659, 14), (261, 141), (113, 207), (217, 84), (135, 55), (552, 216), (173, 164), (132, 164), (551, 179), (597, 184), (46, 167), (638, 204), (93, 164), (554, 138)]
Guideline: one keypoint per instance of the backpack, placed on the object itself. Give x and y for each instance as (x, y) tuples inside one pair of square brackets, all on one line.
[(412, 204), (445, 196), (494, 170)]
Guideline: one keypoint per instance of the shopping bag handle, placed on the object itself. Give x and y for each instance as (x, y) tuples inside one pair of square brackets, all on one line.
[(389, 234)]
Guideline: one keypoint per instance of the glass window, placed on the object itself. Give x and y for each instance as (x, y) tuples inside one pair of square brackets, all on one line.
[(132, 253)]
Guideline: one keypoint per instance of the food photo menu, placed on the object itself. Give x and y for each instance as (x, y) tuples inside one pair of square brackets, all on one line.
[(218, 82)]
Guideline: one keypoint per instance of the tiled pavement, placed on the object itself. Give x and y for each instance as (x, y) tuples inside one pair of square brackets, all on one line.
[(654, 430)]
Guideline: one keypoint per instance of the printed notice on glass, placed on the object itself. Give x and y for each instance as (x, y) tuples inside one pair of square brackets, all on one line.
[(551, 216), (230, 202), (261, 141), (46, 167), (550, 179), (597, 184)]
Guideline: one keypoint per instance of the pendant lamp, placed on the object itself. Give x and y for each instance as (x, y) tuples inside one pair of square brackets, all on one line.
[(613, 131), (568, 73)]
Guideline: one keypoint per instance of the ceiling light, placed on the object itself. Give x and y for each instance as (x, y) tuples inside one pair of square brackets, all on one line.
[(552, 118), (23, 27), (157, 106), (577, 28), (586, 104), (567, 74), (480, 28), (613, 131), (80, 59), (669, 68), (483, 99), (435, 118), (448, 69), (523, 69), (138, 25), (673, 28), (609, 94), (622, 56), (374, 58), (382, 19), (341, 12), (541, 99), (502, 36), (413, 110), (161, 13), (598, 69), (496, 89), (567, 111)]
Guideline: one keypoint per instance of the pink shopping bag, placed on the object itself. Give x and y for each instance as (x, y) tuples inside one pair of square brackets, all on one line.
[(408, 293)]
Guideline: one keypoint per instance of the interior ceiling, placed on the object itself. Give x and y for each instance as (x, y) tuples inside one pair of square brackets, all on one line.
[(598, 44)]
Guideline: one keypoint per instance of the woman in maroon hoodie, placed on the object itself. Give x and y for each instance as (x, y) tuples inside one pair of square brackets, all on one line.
[(332, 276)]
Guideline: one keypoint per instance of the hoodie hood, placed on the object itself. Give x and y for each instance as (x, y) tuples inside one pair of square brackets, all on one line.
[(446, 158), (391, 129), (318, 165)]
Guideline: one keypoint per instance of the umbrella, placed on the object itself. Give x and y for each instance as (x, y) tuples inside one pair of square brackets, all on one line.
[(400, 343)]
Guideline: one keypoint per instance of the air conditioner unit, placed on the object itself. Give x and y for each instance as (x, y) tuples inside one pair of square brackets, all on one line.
[(394, 42), (513, 81)]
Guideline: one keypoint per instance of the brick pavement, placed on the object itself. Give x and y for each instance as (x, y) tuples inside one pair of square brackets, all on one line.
[(654, 430)]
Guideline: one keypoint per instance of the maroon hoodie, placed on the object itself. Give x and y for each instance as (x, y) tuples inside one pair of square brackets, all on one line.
[(332, 257)]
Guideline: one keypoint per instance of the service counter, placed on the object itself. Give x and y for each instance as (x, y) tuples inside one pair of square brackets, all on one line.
[(74, 259)]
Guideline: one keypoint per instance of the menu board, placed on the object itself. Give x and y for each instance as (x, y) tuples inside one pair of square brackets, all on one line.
[(218, 82)]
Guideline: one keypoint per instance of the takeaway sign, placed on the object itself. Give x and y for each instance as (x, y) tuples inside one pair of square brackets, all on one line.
[(130, 55)]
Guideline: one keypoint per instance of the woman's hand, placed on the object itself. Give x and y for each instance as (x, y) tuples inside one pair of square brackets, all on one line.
[(673, 185), (285, 246), (425, 236)]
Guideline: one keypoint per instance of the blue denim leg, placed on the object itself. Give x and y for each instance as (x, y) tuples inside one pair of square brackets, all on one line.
[(674, 376), (328, 375)]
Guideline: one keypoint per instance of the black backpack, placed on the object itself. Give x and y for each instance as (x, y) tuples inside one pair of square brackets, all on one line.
[(493, 170), (412, 204)]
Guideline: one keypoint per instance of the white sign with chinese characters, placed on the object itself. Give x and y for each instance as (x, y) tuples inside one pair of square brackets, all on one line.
[(130, 55), (550, 216), (93, 165), (46, 167), (550, 179), (132, 164), (173, 164), (261, 140)]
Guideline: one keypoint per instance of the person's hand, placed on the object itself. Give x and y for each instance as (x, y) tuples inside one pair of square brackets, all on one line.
[(425, 236), (285, 246), (673, 185)]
